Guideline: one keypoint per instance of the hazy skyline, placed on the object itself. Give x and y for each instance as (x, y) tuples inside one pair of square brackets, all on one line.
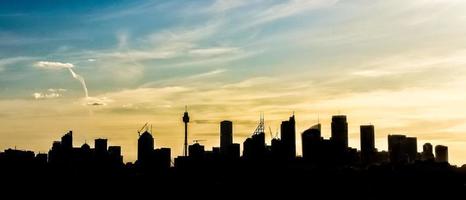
[(395, 64)]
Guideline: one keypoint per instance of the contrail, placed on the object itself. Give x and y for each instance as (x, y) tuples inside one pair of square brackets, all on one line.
[(90, 101), (80, 79), (60, 65)]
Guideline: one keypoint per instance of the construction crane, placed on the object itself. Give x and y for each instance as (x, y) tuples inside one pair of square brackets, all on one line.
[(270, 130), (273, 136), (144, 128)]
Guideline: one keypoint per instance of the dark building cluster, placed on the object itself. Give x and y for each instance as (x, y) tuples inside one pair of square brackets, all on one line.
[(322, 159), (64, 155)]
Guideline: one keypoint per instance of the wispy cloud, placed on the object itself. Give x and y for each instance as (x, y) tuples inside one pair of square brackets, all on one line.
[(53, 65), (160, 45), (411, 62), (225, 5), (5, 62), (117, 12), (207, 74), (288, 8), (57, 90), (51, 93), (190, 79), (38, 95), (215, 51)]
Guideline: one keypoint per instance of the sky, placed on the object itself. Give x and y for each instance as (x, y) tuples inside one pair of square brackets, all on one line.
[(105, 68)]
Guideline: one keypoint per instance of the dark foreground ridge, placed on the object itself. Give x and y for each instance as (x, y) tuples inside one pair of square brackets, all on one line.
[(327, 167)]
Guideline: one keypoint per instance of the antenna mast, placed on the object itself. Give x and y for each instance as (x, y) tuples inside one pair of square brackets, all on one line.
[(186, 121)]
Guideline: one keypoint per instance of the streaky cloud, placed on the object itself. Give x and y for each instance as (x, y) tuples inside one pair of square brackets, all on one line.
[(60, 65), (53, 65)]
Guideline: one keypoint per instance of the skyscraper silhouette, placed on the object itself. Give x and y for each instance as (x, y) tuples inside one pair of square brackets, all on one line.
[(67, 141), (427, 152), (441, 153), (196, 151), (288, 138), (311, 143), (161, 159), (395, 148), (115, 154), (100, 146), (410, 147), (367, 143), (340, 131), (254, 147), (145, 147), (226, 135)]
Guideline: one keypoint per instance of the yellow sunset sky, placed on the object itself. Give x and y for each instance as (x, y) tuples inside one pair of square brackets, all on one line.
[(399, 65)]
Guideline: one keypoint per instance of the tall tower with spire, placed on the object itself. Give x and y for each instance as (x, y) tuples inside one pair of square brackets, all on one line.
[(186, 121)]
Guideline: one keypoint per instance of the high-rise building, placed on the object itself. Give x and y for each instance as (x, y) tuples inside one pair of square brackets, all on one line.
[(410, 148), (288, 138), (145, 147), (395, 148), (67, 141), (196, 151), (100, 146), (441, 153), (427, 152), (276, 148), (162, 159), (402, 149), (115, 155), (311, 143), (367, 143), (114, 150), (226, 135), (340, 131), (254, 147), (233, 151)]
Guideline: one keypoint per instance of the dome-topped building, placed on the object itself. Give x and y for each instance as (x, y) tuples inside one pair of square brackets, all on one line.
[(145, 146)]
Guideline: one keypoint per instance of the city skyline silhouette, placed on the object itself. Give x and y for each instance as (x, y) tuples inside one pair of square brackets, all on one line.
[(129, 63), (269, 136), (276, 161), (356, 98)]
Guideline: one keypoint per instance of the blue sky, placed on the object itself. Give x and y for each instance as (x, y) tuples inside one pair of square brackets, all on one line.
[(159, 38), (142, 61)]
